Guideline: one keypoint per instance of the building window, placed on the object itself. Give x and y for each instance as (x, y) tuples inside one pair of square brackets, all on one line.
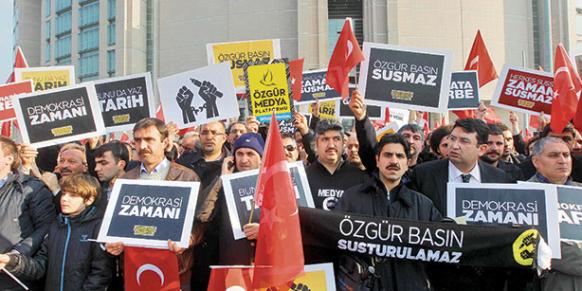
[(47, 52), (64, 61), (89, 39), (47, 8), (47, 30), (111, 34), (89, 14), (63, 24), (111, 9), (62, 5), (88, 66), (111, 63), (63, 47)]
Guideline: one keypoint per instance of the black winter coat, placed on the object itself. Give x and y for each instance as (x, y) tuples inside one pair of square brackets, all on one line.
[(26, 212), (69, 260), (370, 198)]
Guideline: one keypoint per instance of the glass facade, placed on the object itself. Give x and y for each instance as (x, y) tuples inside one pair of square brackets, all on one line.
[(88, 66), (63, 47), (47, 30), (47, 8), (62, 5), (63, 23), (111, 63), (89, 14), (89, 39), (111, 34), (47, 52), (111, 9)]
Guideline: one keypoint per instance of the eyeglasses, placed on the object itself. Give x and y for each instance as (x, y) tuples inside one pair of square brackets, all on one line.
[(207, 132), (290, 148)]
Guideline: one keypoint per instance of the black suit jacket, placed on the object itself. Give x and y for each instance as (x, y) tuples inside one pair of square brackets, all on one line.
[(431, 179)]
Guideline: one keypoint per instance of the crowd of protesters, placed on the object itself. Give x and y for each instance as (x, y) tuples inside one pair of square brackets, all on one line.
[(52, 199)]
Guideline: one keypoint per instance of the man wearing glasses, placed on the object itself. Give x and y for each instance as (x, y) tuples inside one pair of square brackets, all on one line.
[(290, 147)]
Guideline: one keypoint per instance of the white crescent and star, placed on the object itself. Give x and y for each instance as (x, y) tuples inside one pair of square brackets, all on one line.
[(149, 267), (474, 61), (350, 49)]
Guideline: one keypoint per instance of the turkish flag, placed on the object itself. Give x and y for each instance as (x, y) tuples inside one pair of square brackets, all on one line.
[(160, 113), (296, 72), (480, 61), (491, 117), (425, 127), (279, 253), (346, 55), (534, 121), (19, 62), (225, 277), (567, 87), (387, 115), (124, 137), (150, 269)]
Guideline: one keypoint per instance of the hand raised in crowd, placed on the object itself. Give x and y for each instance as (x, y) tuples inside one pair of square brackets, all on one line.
[(300, 122), (481, 112), (228, 165), (251, 230), (4, 259), (51, 181), (513, 119), (315, 109), (94, 142), (28, 156), (114, 249), (357, 105), (172, 133)]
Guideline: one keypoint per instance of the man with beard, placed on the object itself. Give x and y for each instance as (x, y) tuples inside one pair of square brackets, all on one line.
[(496, 145), (352, 147), (384, 195), (415, 138), (235, 130), (510, 154)]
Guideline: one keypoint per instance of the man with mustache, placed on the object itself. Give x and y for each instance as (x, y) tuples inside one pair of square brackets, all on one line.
[(496, 145), (385, 195), (552, 159), (151, 138)]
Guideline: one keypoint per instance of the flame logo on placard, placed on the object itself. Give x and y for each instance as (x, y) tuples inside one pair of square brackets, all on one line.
[(268, 79)]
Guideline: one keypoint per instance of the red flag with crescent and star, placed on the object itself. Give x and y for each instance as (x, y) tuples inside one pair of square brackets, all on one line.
[(150, 269), (279, 253), (19, 62), (230, 278), (567, 87), (346, 55), (296, 72)]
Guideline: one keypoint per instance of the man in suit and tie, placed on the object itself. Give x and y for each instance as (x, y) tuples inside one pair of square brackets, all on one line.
[(467, 142)]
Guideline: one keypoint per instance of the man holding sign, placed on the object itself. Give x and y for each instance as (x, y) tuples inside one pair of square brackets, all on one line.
[(553, 162), (151, 138)]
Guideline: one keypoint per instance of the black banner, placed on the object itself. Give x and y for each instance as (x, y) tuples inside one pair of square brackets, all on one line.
[(570, 213), (464, 90), (314, 88), (124, 101), (420, 241)]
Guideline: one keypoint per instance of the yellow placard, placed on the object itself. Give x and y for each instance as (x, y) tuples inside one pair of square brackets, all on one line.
[(47, 78), (327, 109), (268, 89), (240, 53)]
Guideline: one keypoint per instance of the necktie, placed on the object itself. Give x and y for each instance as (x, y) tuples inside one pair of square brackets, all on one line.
[(466, 178)]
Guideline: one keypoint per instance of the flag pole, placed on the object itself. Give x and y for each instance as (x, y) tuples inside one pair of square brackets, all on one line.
[(14, 278)]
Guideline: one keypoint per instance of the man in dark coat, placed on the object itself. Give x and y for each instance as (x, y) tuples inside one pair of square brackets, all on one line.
[(386, 196)]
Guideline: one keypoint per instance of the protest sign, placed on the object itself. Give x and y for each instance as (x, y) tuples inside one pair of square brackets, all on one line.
[(408, 78), (268, 87), (199, 96), (59, 115), (570, 213), (373, 111), (399, 117), (6, 93), (326, 109), (125, 100), (147, 213), (464, 90), (46, 78), (508, 204), (242, 54), (286, 126), (239, 189), (524, 90), (314, 88), (420, 241)]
